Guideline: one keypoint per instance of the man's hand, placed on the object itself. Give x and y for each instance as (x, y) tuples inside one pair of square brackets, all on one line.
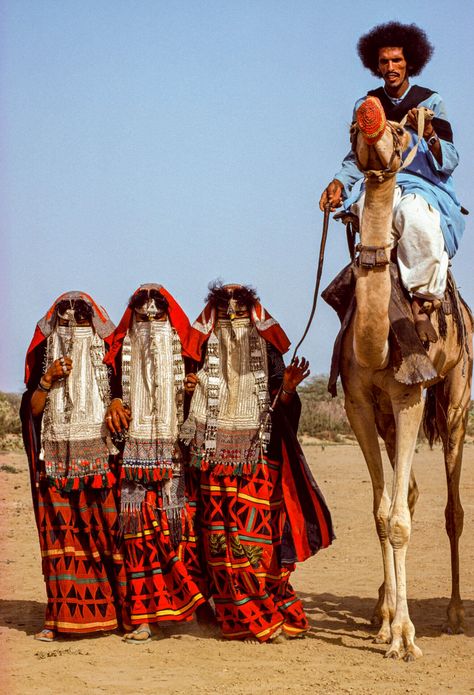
[(412, 121), (117, 416), (332, 195), (294, 375), (190, 382)]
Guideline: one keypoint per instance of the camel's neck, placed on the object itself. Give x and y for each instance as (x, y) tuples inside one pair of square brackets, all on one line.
[(371, 326)]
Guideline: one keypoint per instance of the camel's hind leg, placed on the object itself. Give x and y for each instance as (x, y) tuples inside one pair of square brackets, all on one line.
[(452, 405), (362, 420)]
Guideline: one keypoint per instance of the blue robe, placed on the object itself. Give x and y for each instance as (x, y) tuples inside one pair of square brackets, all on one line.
[(424, 175)]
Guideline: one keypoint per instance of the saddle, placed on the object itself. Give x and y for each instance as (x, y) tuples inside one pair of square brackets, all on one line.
[(408, 356)]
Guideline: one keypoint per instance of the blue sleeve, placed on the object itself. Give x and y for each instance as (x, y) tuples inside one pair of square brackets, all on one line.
[(449, 152), (349, 173)]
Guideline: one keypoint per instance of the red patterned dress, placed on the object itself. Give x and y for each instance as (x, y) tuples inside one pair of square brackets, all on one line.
[(74, 499), (147, 359), (254, 515)]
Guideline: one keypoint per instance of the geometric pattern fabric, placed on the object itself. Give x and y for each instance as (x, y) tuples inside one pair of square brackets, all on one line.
[(161, 589), (241, 524), (82, 565)]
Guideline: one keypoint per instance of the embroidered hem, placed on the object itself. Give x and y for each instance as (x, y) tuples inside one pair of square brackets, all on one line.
[(104, 480), (221, 468), (75, 459), (141, 473)]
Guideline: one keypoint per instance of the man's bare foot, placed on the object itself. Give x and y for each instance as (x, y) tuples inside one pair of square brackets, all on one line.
[(423, 325)]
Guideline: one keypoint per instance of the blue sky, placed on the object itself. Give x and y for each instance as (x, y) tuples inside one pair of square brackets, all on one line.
[(183, 140)]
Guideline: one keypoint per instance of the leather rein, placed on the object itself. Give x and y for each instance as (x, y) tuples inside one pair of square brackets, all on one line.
[(319, 272)]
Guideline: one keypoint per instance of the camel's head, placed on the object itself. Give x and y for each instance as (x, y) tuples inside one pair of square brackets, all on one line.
[(378, 144)]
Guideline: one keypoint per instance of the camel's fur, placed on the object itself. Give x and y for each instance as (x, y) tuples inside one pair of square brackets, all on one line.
[(378, 405)]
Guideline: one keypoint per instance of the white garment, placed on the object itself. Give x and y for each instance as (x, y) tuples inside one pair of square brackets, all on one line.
[(86, 418), (152, 387), (238, 397), (228, 425), (416, 230)]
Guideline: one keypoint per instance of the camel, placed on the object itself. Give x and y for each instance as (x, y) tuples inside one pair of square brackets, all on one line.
[(377, 404)]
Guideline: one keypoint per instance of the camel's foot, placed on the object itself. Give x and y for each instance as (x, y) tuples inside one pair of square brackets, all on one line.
[(412, 652), (455, 624), (403, 642), (395, 650), (384, 635)]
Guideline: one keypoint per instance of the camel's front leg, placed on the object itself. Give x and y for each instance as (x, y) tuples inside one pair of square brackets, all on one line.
[(362, 420), (386, 428), (408, 410)]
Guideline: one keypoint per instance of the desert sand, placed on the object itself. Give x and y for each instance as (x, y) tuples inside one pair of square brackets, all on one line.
[(338, 588)]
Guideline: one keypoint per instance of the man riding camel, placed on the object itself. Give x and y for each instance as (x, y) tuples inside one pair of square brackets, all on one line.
[(427, 217)]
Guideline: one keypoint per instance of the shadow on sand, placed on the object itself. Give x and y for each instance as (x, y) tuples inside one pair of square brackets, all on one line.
[(333, 617), (28, 616)]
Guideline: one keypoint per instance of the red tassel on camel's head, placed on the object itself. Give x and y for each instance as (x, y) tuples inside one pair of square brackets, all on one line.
[(371, 120)]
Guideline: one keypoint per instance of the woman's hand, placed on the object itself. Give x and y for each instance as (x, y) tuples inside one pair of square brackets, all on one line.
[(117, 416), (294, 374), (60, 369), (190, 383)]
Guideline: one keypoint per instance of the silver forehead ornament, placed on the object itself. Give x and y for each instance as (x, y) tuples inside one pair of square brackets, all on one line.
[(68, 315), (149, 309)]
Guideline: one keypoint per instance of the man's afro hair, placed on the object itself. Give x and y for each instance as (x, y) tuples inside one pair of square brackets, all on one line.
[(417, 50)]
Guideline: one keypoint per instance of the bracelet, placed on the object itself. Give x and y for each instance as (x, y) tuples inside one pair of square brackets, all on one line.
[(288, 393), (42, 387)]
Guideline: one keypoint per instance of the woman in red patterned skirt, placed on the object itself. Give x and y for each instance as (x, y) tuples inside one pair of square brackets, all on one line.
[(147, 356), (71, 468), (257, 505)]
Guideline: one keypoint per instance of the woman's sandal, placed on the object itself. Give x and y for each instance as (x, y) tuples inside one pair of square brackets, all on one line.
[(46, 635), (132, 637)]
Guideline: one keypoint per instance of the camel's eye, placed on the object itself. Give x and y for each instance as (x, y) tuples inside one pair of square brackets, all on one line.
[(399, 130)]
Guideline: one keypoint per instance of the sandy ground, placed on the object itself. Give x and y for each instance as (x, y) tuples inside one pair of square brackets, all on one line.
[(338, 588)]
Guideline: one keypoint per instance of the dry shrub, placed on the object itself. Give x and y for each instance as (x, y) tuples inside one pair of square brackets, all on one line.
[(322, 416), (10, 425)]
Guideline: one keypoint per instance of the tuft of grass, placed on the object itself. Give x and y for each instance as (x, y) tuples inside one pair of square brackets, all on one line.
[(7, 468)]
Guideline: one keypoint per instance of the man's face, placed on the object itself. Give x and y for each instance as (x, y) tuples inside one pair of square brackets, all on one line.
[(393, 69)]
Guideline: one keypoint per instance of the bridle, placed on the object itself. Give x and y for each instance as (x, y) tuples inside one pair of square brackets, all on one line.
[(396, 130)]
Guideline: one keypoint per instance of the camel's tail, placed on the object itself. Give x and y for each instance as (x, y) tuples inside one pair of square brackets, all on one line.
[(430, 425)]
